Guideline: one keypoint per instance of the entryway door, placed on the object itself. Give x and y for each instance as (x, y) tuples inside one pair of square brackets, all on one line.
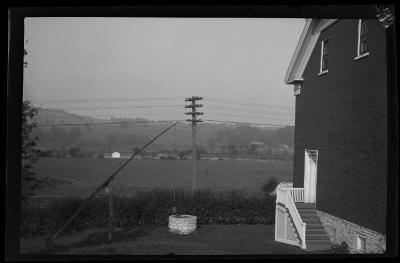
[(310, 175)]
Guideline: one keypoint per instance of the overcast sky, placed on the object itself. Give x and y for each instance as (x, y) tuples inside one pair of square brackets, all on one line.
[(124, 67)]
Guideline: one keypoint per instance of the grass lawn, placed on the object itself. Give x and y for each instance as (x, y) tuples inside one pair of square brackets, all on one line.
[(207, 240)]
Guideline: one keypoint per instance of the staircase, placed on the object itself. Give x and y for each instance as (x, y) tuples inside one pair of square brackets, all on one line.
[(316, 237)]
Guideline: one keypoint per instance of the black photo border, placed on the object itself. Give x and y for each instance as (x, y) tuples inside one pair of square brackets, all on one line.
[(16, 15)]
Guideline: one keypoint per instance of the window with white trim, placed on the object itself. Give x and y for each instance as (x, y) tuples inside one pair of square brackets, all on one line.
[(363, 30), (324, 56), (361, 243)]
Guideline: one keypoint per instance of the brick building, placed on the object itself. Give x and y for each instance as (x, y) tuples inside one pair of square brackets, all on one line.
[(339, 75)]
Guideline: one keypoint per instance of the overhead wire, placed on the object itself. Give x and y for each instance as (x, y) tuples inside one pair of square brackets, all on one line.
[(108, 99), (151, 121), (100, 123), (248, 104)]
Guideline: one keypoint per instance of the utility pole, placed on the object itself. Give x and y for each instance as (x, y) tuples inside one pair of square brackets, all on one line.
[(194, 121)]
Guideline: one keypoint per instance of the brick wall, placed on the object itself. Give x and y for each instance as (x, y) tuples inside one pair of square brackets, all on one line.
[(340, 230), (342, 114)]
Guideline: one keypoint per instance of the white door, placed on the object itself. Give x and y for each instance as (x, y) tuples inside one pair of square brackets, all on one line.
[(310, 175)]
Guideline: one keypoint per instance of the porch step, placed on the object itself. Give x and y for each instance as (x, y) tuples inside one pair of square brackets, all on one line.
[(320, 249), (315, 225), (318, 243), (307, 211), (312, 221), (318, 236), (309, 217), (310, 231), (305, 205)]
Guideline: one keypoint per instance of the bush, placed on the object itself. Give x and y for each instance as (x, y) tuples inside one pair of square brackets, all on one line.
[(270, 185), (75, 152), (151, 207), (342, 248)]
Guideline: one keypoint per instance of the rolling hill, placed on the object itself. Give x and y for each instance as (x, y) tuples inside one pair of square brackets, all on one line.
[(56, 133)]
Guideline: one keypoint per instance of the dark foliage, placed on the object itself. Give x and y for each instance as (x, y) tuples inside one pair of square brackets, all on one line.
[(74, 152), (153, 207), (29, 182), (245, 134), (342, 248), (270, 185)]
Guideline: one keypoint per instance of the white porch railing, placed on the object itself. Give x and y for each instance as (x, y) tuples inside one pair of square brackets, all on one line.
[(300, 225), (297, 194), (288, 196)]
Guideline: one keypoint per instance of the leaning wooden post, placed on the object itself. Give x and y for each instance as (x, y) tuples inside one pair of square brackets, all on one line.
[(111, 211), (49, 241)]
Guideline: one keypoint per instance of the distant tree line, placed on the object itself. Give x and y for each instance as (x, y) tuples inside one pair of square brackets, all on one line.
[(231, 141), (245, 134), (72, 137)]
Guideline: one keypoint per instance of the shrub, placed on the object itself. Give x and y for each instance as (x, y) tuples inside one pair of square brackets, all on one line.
[(270, 185), (152, 207), (342, 248), (75, 152)]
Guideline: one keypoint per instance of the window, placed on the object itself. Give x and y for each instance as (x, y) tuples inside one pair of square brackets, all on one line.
[(324, 56), (362, 47), (361, 244)]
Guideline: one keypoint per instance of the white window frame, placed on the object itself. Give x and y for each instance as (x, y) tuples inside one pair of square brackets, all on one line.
[(322, 55), (359, 42), (359, 243)]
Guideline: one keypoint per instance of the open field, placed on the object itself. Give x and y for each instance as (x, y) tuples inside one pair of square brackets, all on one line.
[(79, 176)]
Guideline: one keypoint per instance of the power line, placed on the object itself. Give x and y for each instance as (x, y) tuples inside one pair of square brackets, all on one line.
[(150, 121), (263, 111), (121, 107), (210, 113), (235, 102), (252, 123), (120, 115), (249, 104), (100, 123), (246, 116), (108, 99), (218, 106)]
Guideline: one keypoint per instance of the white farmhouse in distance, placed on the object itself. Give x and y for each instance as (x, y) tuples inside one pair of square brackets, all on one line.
[(115, 155)]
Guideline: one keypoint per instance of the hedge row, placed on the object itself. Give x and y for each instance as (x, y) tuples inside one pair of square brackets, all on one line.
[(152, 207)]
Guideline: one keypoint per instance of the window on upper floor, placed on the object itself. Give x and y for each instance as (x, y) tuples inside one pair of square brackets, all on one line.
[(362, 47), (324, 56)]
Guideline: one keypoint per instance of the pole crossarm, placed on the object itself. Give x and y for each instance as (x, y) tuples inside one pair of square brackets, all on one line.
[(194, 98), (193, 113), (103, 185), (194, 121), (194, 106)]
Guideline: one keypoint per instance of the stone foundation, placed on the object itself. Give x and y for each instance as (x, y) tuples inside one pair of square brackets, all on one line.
[(340, 230)]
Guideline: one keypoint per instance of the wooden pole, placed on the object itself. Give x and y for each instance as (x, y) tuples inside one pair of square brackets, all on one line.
[(194, 155), (111, 211), (193, 106), (104, 184)]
